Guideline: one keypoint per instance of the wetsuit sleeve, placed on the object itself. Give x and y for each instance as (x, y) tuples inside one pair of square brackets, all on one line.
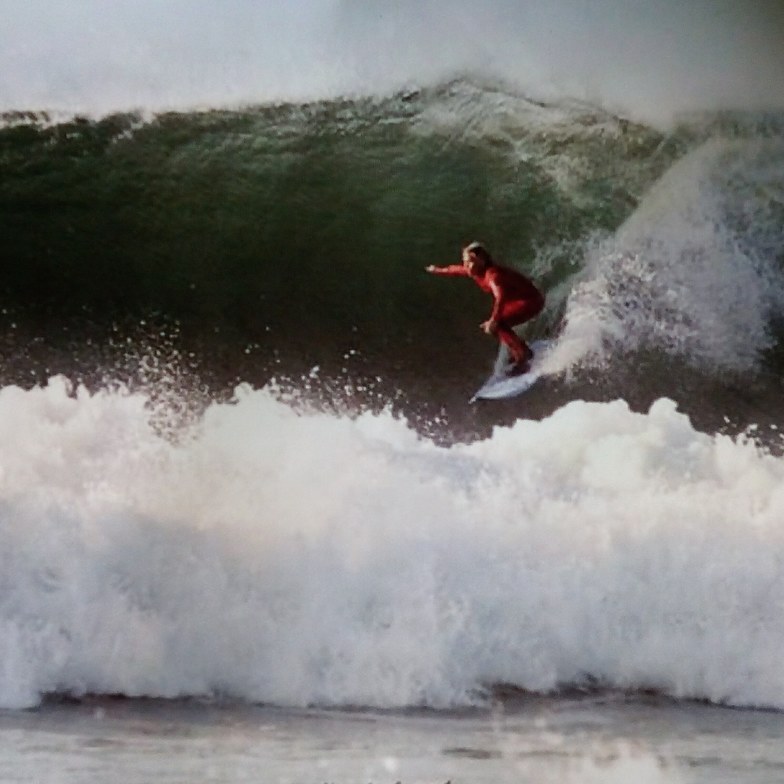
[(452, 269)]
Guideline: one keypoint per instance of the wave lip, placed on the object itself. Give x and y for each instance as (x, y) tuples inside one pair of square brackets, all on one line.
[(245, 560)]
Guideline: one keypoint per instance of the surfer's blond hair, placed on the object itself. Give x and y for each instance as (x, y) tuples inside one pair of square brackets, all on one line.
[(480, 251)]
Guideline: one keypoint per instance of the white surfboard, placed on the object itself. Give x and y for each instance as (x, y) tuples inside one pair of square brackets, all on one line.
[(500, 385)]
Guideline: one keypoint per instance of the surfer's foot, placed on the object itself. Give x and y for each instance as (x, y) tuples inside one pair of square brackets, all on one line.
[(521, 364), (518, 368)]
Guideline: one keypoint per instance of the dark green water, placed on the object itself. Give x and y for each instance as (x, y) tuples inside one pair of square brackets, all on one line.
[(241, 245)]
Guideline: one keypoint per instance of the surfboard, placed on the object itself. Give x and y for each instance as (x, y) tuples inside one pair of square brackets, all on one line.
[(500, 385)]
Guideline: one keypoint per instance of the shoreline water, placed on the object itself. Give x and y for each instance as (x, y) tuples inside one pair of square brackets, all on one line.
[(545, 739)]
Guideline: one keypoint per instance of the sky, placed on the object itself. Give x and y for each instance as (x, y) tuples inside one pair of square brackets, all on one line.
[(651, 59)]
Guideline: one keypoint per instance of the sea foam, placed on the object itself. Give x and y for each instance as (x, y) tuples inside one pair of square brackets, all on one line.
[(278, 555), (694, 272)]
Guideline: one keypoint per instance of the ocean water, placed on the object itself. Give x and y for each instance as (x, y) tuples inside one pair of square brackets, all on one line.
[(250, 527), (585, 740)]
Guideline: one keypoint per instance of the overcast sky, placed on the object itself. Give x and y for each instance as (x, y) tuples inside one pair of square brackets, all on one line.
[(648, 57)]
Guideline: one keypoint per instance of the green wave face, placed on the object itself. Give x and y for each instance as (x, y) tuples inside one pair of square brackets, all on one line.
[(290, 212), (273, 239)]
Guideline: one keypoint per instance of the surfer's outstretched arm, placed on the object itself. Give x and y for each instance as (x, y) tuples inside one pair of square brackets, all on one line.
[(451, 269)]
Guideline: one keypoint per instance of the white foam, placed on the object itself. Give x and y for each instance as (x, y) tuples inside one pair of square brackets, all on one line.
[(695, 271), (314, 558)]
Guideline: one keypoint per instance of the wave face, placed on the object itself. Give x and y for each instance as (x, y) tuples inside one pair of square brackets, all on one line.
[(236, 456), (321, 559), (272, 241)]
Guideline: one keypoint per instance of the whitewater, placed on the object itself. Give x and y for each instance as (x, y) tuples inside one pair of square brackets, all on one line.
[(301, 558)]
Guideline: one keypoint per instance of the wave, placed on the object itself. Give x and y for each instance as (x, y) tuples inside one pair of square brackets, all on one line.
[(272, 241), (292, 557), (253, 224), (165, 533)]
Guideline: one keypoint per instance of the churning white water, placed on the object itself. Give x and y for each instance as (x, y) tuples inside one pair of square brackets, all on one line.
[(300, 558)]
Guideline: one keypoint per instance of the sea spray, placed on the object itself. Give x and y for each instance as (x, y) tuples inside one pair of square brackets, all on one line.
[(695, 271), (302, 558)]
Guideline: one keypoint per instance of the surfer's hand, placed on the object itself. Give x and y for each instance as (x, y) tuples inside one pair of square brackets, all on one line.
[(490, 326)]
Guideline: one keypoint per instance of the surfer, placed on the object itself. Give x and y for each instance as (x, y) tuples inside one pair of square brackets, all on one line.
[(515, 298)]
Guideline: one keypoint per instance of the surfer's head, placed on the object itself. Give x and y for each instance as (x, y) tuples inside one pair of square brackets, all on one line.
[(476, 258)]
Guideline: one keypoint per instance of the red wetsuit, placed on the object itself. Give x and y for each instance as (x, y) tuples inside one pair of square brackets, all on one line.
[(516, 300)]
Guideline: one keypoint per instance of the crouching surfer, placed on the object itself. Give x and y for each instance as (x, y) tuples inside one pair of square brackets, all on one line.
[(515, 299)]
